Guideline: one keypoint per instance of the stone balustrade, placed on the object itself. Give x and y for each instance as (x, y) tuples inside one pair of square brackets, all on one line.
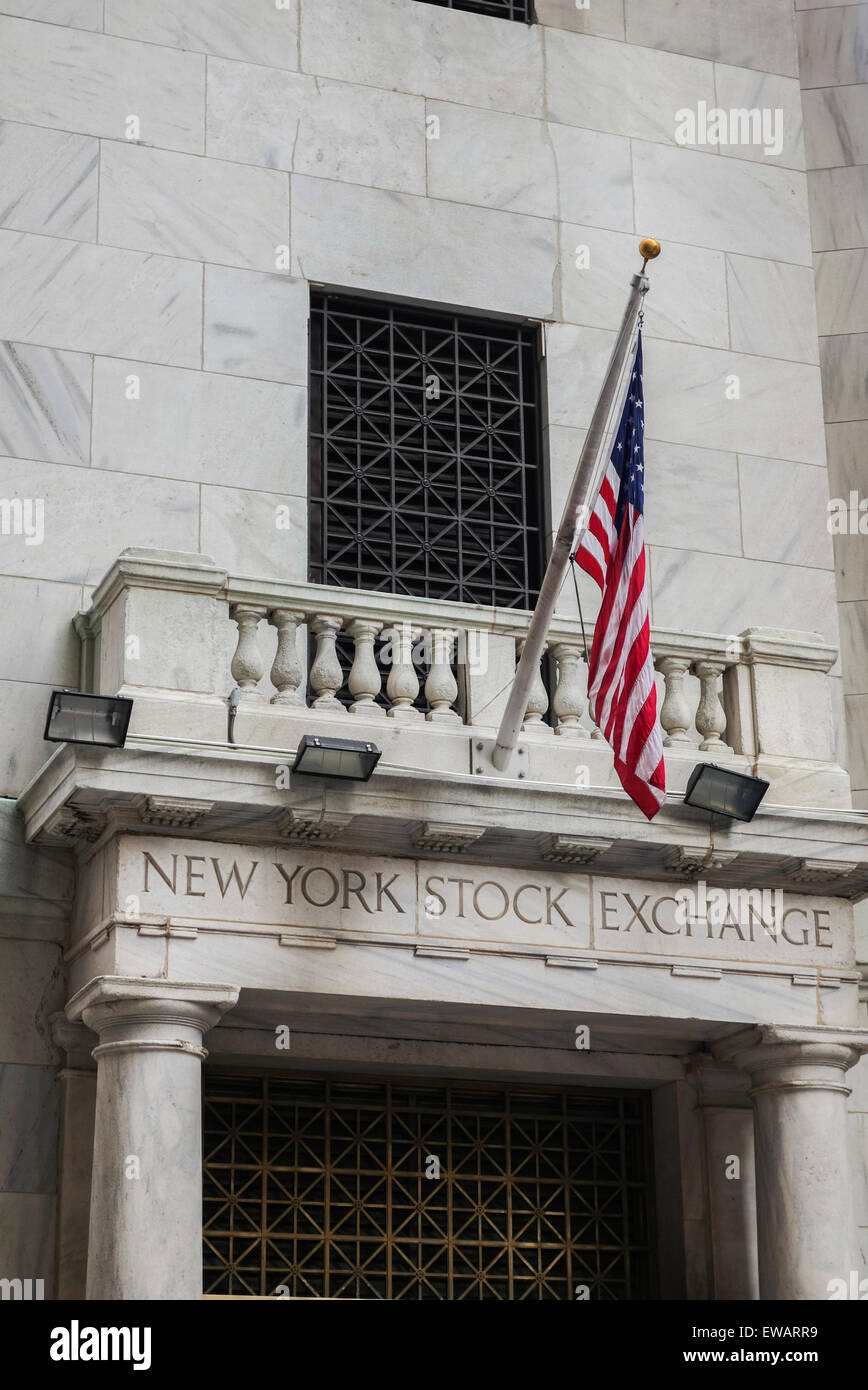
[(177, 633), (401, 655)]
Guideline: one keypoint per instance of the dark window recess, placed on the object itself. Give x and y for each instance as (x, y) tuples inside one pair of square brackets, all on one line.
[(522, 10), (424, 453)]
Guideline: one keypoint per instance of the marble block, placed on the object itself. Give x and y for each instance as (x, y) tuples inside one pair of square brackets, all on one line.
[(75, 14), (836, 126), (833, 46), (494, 159), (178, 645), (523, 165), (49, 181), (423, 248), (771, 309), (29, 605), (841, 281), (249, 531), (733, 204), (98, 299), (690, 399), (27, 1236), (687, 299), (202, 426), (845, 388), (857, 739), (719, 593), (448, 54), (576, 360), (796, 495), (92, 84), (255, 324), (742, 88), (258, 33), (28, 1139), (22, 749), (32, 973), (604, 17), (90, 513), (44, 404), (839, 207), (691, 498), (310, 125), (626, 90), (748, 33), (853, 618), (207, 209)]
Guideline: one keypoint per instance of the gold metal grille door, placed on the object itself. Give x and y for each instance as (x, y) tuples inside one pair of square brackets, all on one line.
[(350, 1189)]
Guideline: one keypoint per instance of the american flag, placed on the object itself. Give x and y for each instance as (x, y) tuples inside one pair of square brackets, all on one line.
[(621, 690)]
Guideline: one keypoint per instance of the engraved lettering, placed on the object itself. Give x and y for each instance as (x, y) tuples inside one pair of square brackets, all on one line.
[(191, 874), (383, 890), (654, 918), (495, 917), (305, 880), (461, 882), (288, 879), (356, 889), (826, 927), (553, 905), (151, 863), (434, 894), (804, 938), (607, 908), (235, 873), (526, 888), (637, 913)]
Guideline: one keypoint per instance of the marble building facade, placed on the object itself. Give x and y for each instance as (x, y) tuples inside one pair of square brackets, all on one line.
[(177, 180)]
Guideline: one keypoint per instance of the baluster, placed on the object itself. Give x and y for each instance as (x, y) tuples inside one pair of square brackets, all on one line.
[(710, 717), (364, 679), (402, 686), (326, 675), (441, 687), (248, 666), (675, 711), (538, 700), (286, 673), (569, 699)]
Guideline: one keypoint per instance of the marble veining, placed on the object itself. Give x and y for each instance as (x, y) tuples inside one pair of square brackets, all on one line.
[(48, 181), (44, 404)]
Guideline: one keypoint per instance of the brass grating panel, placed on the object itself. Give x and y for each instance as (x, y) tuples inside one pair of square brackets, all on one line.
[(319, 1185)]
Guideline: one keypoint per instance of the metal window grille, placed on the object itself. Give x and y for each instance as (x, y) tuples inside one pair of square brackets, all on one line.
[(424, 453), (521, 10), (320, 1186)]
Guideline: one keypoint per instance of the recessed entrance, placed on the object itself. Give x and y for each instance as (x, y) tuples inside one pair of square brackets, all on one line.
[(342, 1188)]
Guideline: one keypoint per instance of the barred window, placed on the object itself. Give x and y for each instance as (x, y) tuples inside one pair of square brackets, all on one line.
[(521, 10), (424, 452)]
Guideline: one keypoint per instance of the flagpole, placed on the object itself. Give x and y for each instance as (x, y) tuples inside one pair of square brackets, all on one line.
[(564, 543)]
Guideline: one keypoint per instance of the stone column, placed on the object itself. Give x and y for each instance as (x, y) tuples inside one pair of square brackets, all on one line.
[(145, 1236), (804, 1218)]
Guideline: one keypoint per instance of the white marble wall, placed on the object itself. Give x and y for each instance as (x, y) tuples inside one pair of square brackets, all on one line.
[(174, 175), (153, 370), (833, 43)]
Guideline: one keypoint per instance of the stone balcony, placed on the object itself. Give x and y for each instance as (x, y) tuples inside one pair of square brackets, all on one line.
[(178, 634)]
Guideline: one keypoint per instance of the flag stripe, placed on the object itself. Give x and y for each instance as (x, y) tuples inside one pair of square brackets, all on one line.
[(622, 691)]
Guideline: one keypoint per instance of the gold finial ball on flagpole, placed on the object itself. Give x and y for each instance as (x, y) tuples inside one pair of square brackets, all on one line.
[(649, 250)]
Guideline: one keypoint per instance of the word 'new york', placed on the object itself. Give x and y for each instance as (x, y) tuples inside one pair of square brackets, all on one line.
[(317, 886)]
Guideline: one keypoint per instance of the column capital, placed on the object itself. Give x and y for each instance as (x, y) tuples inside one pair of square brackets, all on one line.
[(780, 1057), (132, 1014)]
